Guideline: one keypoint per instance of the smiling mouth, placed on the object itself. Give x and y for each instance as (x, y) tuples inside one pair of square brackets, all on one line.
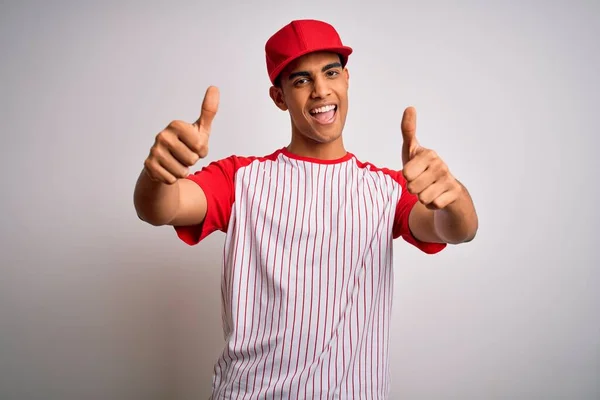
[(324, 115)]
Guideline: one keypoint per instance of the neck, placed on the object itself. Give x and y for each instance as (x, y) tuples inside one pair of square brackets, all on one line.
[(306, 147)]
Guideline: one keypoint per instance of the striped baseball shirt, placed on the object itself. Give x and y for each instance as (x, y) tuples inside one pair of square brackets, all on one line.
[(307, 277)]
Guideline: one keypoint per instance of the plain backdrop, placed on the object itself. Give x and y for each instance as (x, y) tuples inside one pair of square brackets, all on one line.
[(95, 304)]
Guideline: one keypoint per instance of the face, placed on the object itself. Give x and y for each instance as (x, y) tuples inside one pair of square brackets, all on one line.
[(314, 89)]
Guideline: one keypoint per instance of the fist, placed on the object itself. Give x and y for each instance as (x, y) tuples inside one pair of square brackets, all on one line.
[(180, 145), (426, 174)]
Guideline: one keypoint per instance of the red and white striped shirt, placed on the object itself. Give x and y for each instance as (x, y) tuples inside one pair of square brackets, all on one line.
[(307, 273)]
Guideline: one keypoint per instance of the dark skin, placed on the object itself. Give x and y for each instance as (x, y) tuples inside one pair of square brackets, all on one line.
[(311, 81)]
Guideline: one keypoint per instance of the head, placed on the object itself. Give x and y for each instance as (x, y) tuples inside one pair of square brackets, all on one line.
[(314, 90), (306, 61)]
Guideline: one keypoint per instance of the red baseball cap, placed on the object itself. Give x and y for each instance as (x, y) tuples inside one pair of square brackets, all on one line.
[(298, 38)]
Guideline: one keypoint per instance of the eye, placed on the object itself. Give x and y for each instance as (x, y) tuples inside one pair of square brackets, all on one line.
[(300, 81), (331, 73)]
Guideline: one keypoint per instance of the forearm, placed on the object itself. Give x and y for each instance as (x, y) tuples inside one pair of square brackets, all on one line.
[(457, 222), (155, 202)]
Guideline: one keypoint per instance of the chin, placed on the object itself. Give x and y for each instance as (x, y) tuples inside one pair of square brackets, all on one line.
[(323, 138)]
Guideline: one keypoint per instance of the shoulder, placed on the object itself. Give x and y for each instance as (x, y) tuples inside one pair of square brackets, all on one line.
[(234, 162), (382, 172)]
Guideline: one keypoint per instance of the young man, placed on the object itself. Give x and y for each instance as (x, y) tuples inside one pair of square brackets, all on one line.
[(307, 269)]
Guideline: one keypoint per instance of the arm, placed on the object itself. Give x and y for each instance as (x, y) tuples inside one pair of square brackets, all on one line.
[(162, 195), (445, 212), (157, 203), (456, 223)]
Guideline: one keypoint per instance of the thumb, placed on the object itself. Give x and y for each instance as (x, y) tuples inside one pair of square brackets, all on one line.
[(410, 144), (210, 106)]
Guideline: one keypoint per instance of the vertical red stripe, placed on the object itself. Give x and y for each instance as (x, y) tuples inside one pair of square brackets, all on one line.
[(244, 348), (342, 212), (279, 375), (302, 320), (382, 240), (332, 235), (359, 267), (320, 294), (348, 287), (224, 361), (305, 175), (319, 285), (231, 371), (260, 277), (227, 358), (341, 218), (368, 350), (271, 297), (282, 216)]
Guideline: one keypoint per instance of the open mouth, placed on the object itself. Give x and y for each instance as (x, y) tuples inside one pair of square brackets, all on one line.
[(324, 115)]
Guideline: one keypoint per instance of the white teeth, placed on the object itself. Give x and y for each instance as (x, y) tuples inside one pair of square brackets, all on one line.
[(322, 109)]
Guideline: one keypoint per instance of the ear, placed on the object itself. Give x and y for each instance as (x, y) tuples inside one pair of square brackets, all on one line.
[(277, 96), (347, 75)]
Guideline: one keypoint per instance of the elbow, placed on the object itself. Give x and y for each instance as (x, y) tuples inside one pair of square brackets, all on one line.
[(457, 233), (470, 233), (470, 237), (459, 239), (474, 227), (151, 219), (147, 214)]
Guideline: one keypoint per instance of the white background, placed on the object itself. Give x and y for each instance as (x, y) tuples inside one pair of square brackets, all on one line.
[(95, 304)]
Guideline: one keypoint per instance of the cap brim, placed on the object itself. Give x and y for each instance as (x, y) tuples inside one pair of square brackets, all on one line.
[(344, 51)]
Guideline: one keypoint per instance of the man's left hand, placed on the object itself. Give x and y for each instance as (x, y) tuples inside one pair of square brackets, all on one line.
[(426, 174)]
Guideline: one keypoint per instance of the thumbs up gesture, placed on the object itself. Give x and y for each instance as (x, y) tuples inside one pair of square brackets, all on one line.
[(180, 145), (426, 174)]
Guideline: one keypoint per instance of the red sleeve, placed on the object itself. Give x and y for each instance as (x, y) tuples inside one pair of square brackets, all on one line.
[(401, 228), (217, 182)]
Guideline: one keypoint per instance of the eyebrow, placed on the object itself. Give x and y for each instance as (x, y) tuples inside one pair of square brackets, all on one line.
[(305, 73)]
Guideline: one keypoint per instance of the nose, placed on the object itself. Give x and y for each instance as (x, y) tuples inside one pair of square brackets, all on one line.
[(321, 88)]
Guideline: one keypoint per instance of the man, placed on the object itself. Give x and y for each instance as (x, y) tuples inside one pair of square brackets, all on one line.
[(307, 269)]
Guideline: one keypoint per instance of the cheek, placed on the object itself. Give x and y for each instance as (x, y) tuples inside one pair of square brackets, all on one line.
[(297, 111), (296, 103), (297, 115)]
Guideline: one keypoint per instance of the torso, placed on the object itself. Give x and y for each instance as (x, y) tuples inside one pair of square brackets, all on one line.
[(307, 280)]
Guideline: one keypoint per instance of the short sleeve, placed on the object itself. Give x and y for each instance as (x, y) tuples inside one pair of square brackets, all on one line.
[(401, 227), (217, 183)]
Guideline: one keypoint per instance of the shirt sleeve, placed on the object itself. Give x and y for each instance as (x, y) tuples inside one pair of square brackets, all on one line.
[(401, 227), (217, 183)]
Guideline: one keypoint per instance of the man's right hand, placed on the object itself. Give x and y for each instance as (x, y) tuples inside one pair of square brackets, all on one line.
[(180, 145)]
